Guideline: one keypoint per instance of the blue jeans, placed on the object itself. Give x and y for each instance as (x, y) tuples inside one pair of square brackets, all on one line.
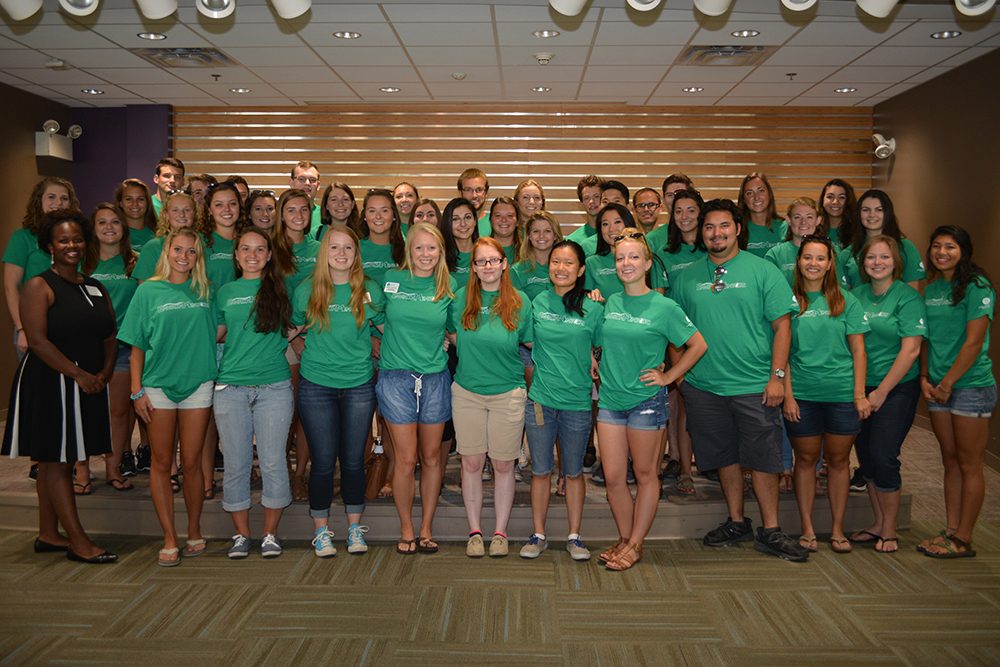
[(570, 427), (243, 413), (882, 436), (336, 422)]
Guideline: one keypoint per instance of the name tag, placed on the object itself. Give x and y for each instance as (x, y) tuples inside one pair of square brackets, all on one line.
[(368, 297), (391, 288), (93, 291)]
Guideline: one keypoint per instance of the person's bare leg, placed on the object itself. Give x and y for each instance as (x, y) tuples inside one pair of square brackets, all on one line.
[(272, 517), (644, 448), (576, 494), (191, 426), (404, 437), (429, 445), (541, 490), (55, 483), (472, 489), (807, 451), (121, 423), (837, 451), (971, 434), (161, 442), (503, 492), (941, 423), (614, 458), (241, 521), (765, 488), (889, 510), (390, 455), (731, 481)]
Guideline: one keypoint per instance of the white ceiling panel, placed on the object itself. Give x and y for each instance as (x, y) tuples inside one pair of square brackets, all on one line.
[(636, 73), (992, 42), (408, 91), (468, 89), (562, 55), (823, 102), (372, 34), (263, 36), (161, 90), (771, 33), (676, 89), (246, 12), (624, 55), (446, 34), (127, 36), (315, 75), (24, 58), (363, 55), (446, 55), (715, 73), (47, 77), (754, 101), (692, 100), (777, 74), (374, 74), (618, 89), (852, 75), (919, 34), (232, 75), (134, 75), (927, 74), (863, 90), (520, 34), (965, 56), (629, 34), (845, 32), (309, 90), (907, 55), (66, 37), (421, 12), (293, 57), (98, 57), (678, 10), (109, 91), (807, 55), (549, 73), (472, 74), (756, 89), (345, 14)]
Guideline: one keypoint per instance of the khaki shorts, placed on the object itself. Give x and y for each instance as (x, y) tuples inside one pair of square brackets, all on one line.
[(488, 424)]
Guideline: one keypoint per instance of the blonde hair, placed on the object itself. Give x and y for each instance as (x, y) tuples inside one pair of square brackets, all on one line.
[(808, 202), (199, 280), (318, 308), (526, 252), (163, 223), (442, 279)]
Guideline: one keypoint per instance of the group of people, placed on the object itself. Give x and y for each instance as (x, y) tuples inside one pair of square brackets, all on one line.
[(768, 343)]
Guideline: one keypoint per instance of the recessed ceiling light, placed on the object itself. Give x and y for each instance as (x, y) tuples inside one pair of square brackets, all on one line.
[(458, 76), (541, 89), (693, 89), (946, 34), (545, 33), (845, 90), (92, 91), (347, 34), (152, 36), (389, 89), (745, 33), (241, 91)]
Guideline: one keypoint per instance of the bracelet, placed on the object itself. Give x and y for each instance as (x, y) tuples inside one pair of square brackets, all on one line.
[(137, 395)]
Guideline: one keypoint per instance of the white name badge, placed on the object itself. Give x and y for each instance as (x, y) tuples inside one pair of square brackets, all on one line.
[(93, 291), (391, 288)]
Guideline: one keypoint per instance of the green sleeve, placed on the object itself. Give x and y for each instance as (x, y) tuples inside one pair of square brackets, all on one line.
[(526, 329), (979, 301), (300, 299), (778, 297), (854, 316), (913, 263), (18, 248), (911, 318)]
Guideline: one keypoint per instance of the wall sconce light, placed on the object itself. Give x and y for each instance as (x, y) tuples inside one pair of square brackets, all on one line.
[(49, 143)]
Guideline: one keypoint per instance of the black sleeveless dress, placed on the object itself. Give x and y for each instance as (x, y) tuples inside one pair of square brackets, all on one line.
[(49, 418)]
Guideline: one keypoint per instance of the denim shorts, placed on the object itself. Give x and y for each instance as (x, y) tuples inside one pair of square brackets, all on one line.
[(525, 353), (968, 402), (407, 397), (650, 415), (122, 360), (199, 398), (546, 426), (819, 417)]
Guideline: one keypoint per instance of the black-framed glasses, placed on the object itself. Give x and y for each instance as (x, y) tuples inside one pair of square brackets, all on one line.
[(631, 235), (648, 205), (719, 284), (488, 261)]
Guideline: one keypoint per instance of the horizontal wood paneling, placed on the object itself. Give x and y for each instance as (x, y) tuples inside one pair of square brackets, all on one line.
[(799, 148)]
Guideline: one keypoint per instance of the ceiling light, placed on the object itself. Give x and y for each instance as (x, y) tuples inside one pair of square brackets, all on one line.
[(458, 76), (50, 126), (216, 9), (152, 36), (974, 7), (568, 7), (946, 34), (643, 5), (74, 131), (347, 34), (545, 33), (389, 89), (713, 7), (883, 147), (878, 8), (798, 5), (92, 91), (541, 89), (290, 9), (846, 89), (241, 91), (157, 9), (743, 34), (19, 10), (79, 7), (693, 89)]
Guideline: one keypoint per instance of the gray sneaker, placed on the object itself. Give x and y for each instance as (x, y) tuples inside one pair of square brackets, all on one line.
[(534, 547), (577, 549), (270, 546), (240, 548)]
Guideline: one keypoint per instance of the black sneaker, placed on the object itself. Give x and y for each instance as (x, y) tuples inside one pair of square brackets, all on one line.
[(589, 459), (729, 532), (858, 483), (773, 542), (33, 472), (597, 475), (142, 458), (220, 465), (127, 467), (673, 469)]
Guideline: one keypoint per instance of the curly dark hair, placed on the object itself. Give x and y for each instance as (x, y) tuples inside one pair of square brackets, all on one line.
[(50, 220)]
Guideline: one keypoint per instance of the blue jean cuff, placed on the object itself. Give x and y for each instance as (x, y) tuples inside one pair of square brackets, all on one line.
[(354, 509)]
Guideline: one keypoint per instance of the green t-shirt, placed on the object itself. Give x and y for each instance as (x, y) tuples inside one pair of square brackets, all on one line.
[(157, 204), (589, 245), (414, 323), (657, 238), (946, 327), (462, 267), (488, 359), (121, 287), (784, 255), (219, 261), (895, 315), (140, 237), (177, 331), (735, 321), (22, 250), (376, 259), (561, 352), (339, 356), (762, 239), (601, 274), (581, 233), (510, 252), (913, 266), (315, 221), (145, 266), (641, 327), (249, 358), (530, 281), (672, 263), (822, 366), (305, 262), (484, 226)]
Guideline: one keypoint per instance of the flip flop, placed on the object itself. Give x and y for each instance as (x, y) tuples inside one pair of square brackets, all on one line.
[(194, 548), (950, 550), (883, 550), (427, 545), (841, 545), (120, 484), (871, 539), (83, 489), (165, 559), (411, 547)]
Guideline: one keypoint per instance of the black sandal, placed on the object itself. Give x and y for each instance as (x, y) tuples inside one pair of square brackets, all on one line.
[(175, 483)]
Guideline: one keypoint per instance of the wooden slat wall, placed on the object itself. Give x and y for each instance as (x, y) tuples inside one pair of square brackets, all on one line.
[(799, 148)]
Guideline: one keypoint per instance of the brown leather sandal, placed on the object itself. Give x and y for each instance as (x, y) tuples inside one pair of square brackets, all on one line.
[(612, 551), (626, 558)]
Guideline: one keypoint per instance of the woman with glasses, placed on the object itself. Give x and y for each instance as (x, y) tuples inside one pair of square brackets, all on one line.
[(875, 215), (133, 198), (638, 325), (488, 320), (825, 398), (338, 206), (956, 379), (804, 219), (898, 323), (763, 229), (260, 208)]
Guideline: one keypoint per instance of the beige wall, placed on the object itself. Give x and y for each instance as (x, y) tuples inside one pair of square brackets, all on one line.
[(945, 169), (21, 115)]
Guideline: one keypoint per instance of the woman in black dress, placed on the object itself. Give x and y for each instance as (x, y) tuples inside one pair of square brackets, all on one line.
[(58, 410)]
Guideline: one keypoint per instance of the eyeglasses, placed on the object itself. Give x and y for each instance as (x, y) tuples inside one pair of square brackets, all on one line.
[(474, 191), (630, 235), (489, 261), (306, 180), (718, 285), (648, 206)]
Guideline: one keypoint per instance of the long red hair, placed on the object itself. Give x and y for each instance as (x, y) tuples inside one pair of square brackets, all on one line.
[(508, 304)]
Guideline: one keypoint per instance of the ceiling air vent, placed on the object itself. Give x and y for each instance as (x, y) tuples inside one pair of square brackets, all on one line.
[(735, 56), (185, 57)]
